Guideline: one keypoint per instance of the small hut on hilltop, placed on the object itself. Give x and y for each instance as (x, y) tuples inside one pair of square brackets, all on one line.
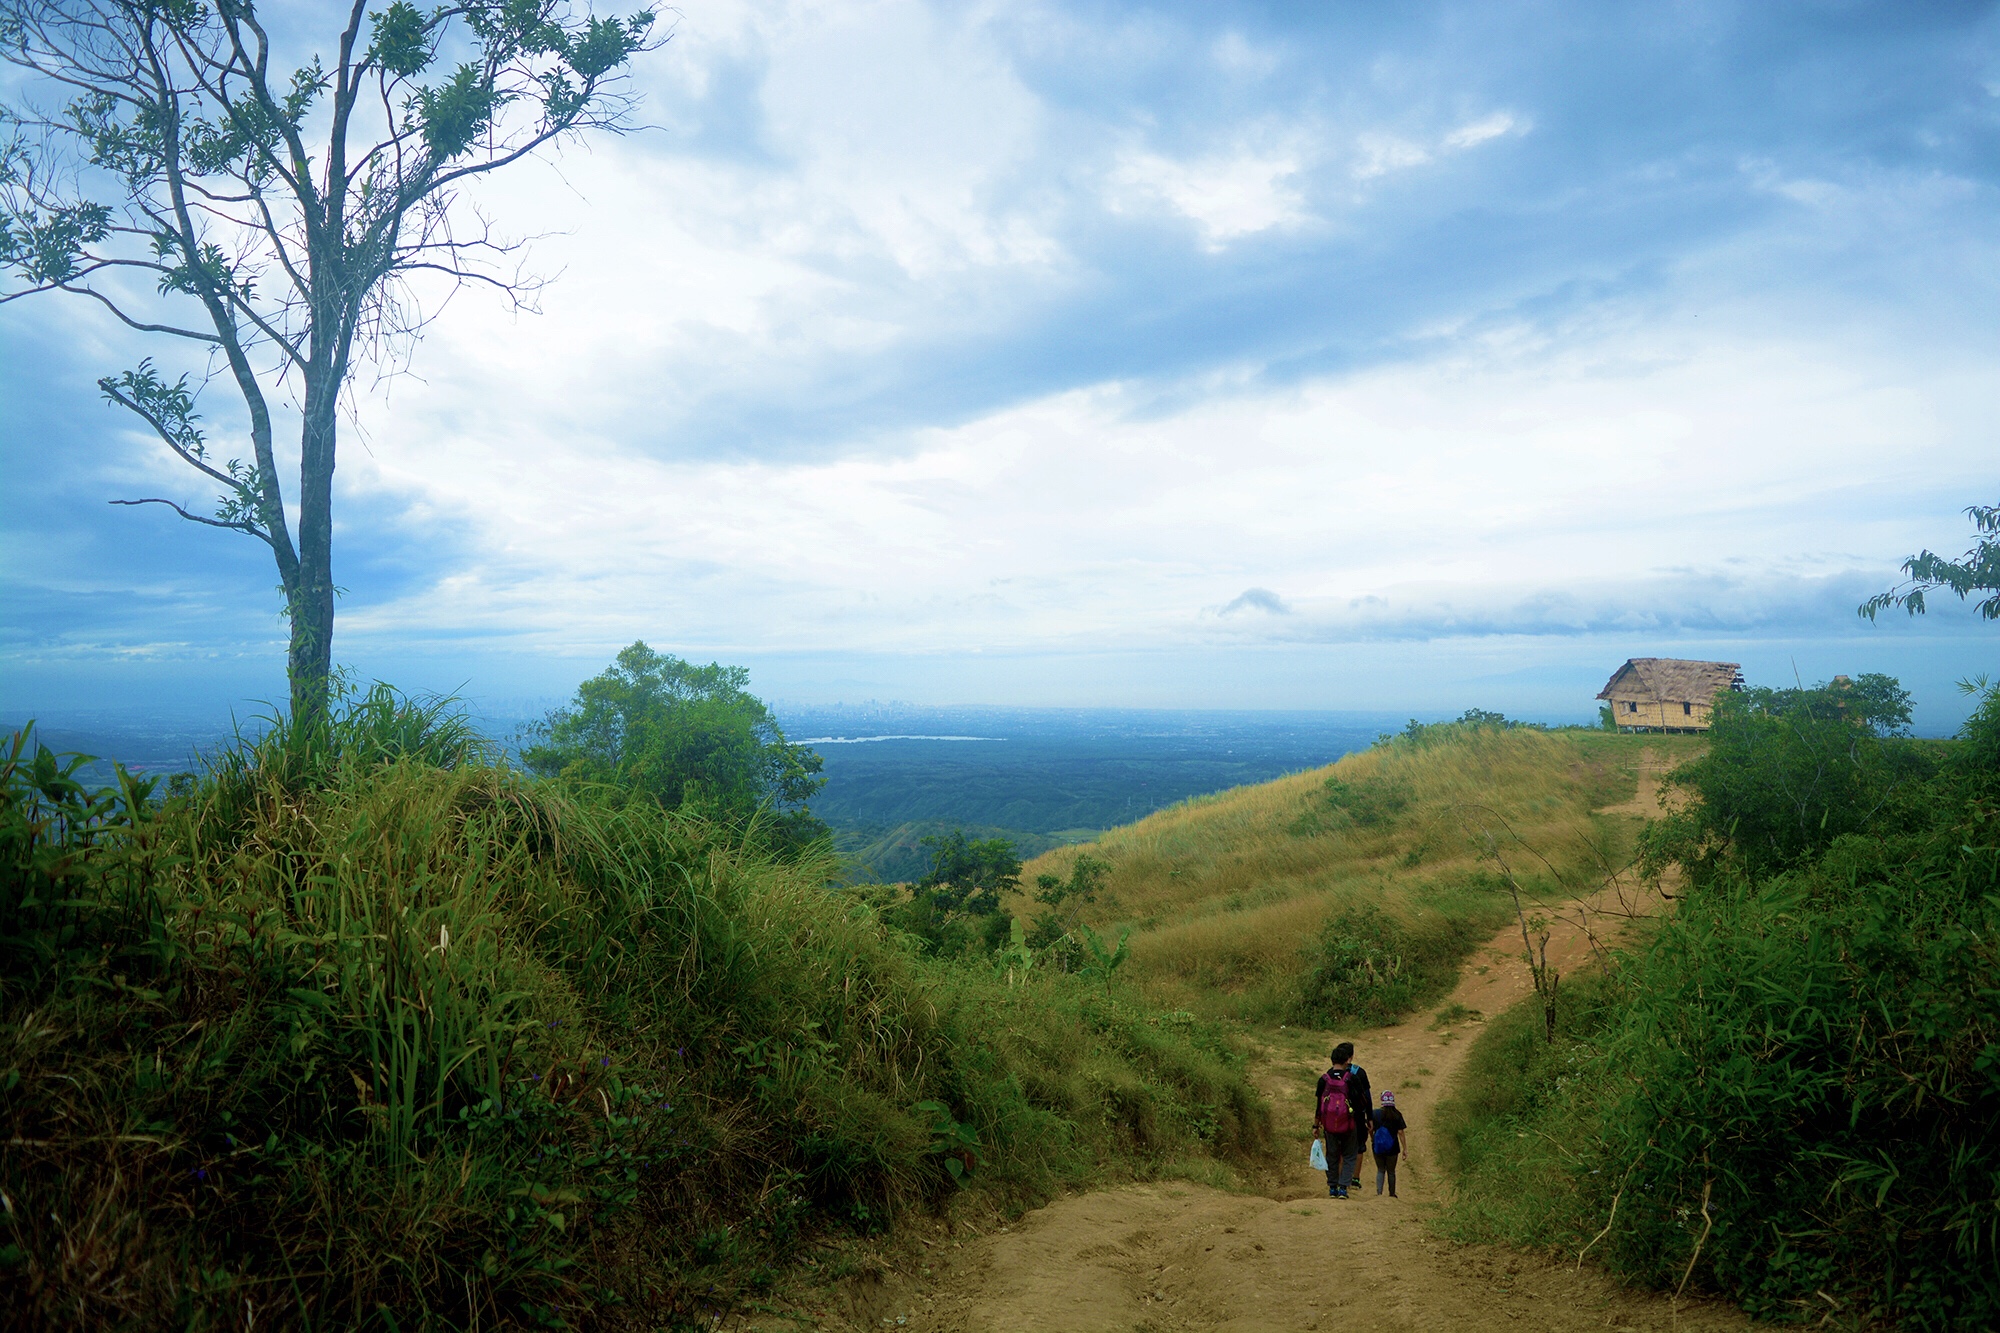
[(1668, 693)]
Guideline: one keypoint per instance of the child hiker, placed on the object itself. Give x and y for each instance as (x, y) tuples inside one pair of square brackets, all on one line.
[(1390, 1141)]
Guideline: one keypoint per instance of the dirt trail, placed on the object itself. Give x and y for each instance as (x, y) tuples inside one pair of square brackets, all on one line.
[(1182, 1258)]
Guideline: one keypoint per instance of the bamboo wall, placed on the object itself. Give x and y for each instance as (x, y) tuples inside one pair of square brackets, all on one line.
[(1644, 711)]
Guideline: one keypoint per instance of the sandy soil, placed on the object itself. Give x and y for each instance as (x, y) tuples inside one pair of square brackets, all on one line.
[(1170, 1257)]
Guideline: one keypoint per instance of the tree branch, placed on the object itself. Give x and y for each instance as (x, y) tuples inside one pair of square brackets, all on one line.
[(249, 529), (112, 306)]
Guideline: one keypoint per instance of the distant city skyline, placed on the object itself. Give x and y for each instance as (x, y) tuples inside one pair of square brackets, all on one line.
[(1180, 356)]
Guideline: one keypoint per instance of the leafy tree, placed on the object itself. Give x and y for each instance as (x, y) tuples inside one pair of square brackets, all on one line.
[(1057, 929), (693, 738), (968, 875), (1978, 570), (1421, 734), (1786, 772), (273, 219), (1062, 899), (956, 905)]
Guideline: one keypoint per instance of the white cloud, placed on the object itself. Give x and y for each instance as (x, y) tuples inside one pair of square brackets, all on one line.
[(862, 216), (1226, 195), (1479, 131), (1476, 492), (1378, 152), (1235, 54)]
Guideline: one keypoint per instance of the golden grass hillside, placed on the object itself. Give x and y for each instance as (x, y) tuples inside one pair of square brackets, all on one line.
[(1227, 895)]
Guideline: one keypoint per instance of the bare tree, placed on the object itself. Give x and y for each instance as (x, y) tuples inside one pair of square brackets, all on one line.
[(274, 219)]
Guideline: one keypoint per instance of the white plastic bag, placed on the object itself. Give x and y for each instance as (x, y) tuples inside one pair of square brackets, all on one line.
[(1319, 1155)]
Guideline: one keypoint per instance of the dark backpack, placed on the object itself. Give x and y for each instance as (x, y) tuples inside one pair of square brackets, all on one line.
[(1385, 1140), (1335, 1115)]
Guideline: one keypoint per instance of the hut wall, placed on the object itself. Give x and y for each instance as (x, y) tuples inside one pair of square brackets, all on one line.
[(1643, 710)]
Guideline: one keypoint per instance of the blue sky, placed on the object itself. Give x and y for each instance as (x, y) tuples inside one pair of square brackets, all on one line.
[(1203, 356)]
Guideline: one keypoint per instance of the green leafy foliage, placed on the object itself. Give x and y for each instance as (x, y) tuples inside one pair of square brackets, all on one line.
[(1055, 926), (1786, 772), (691, 738), (1977, 571), (361, 1021), (1421, 735), (1792, 1092), (1370, 967), (1100, 963), (400, 42), (955, 1145), (955, 907), (968, 875)]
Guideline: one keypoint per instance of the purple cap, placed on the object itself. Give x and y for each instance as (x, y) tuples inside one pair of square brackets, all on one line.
[(1388, 1099)]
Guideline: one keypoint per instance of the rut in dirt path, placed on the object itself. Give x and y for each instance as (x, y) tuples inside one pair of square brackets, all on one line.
[(1169, 1257)]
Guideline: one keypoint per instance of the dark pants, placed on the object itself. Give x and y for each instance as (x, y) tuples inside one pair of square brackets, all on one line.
[(1343, 1158), (1385, 1170)]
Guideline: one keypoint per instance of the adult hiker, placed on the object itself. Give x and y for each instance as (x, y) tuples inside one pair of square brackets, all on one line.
[(1343, 1118), (1389, 1142)]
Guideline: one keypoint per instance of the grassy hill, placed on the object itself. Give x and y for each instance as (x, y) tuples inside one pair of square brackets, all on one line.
[(1231, 898), (369, 1031)]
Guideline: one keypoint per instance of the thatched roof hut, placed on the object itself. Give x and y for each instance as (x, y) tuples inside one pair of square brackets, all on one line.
[(1668, 693)]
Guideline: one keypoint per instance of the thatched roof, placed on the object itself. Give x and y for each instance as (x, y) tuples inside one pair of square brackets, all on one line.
[(1674, 679)]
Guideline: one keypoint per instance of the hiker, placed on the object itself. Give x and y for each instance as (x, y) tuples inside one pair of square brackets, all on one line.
[(1390, 1142), (1343, 1118)]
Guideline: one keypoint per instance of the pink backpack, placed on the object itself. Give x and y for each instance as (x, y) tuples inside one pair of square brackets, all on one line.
[(1335, 1115)]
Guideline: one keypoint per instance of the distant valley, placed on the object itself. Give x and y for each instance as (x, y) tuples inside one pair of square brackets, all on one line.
[(1042, 777)]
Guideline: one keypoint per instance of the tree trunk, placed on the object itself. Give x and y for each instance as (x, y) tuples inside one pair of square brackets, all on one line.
[(310, 661)]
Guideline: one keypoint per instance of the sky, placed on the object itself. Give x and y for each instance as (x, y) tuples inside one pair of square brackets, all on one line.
[(1336, 356)]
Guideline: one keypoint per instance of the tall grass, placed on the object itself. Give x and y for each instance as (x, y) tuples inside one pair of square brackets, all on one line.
[(1231, 896), (360, 1031)]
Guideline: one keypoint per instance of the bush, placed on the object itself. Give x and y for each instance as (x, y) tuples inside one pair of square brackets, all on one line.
[(1363, 803), (1786, 772), (1372, 968), (337, 1032)]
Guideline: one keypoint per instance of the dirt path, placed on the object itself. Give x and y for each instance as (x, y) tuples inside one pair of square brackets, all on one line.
[(1181, 1258)]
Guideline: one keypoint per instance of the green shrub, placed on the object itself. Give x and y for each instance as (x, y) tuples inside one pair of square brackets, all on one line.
[(337, 1036), (954, 909), (1372, 968), (1785, 773), (1358, 804)]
